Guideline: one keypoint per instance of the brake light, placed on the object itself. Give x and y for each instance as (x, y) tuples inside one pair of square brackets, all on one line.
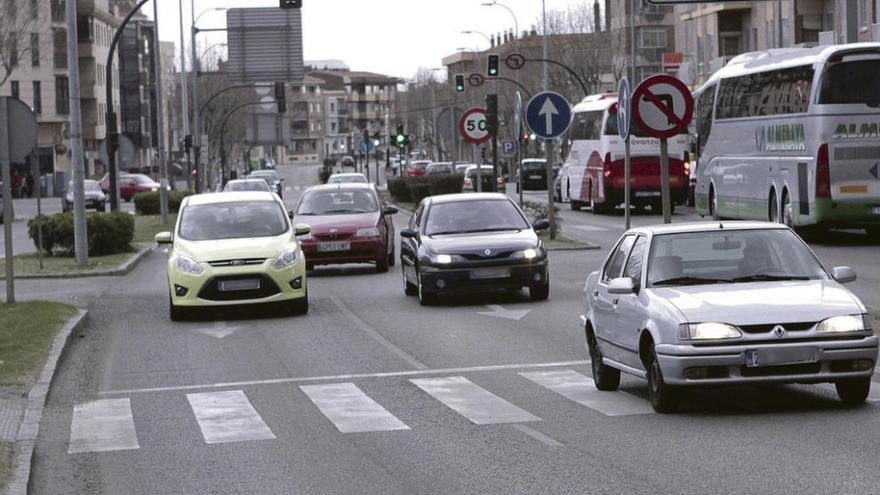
[(687, 163), (823, 173), (500, 181), (606, 168), (468, 182)]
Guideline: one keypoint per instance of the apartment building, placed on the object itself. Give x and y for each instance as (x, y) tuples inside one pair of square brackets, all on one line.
[(307, 122), (654, 35)]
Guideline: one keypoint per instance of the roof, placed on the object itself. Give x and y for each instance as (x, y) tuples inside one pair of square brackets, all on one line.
[(229, 197), (452, 198), (341, 186), (595, 102), (349, 174), (714, 226)]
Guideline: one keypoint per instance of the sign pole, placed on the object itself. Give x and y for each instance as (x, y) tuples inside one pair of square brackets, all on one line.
[(479, 163), (519, 173), (551, 206), (39, 182), (664, 180), (6, 164), (627, 172)]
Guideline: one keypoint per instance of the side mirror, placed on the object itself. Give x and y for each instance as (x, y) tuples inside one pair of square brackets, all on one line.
[(389, 210), (408, 233), (541, 224), (843, 274), (281, 179), (622, 285), (290, 214), (164, 238), (302, 229)]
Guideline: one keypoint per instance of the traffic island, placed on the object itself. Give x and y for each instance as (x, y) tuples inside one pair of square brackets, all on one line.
[(27, 266), (33, 336)]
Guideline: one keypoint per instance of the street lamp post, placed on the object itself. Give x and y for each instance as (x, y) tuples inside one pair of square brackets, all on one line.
[(197, 122)]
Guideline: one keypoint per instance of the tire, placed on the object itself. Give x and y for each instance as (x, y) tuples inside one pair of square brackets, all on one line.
[(102, 207), (873, 233), (300, 306), (713, 204), (605, 377), (382, 264), (539, 292), (773, 209), (392, 259), (855, 391), (786, 209), (664, 398), (408, 288), (426, 297), (574, 205)]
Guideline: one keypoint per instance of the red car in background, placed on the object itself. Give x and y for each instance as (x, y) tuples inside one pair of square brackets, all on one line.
[(417, 168), (130, 184), (349, 224)]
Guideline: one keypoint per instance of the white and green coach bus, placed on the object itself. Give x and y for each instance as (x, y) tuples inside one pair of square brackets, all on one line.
[(792, 135)]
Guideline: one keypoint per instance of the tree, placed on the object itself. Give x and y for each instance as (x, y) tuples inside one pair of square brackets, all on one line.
[(18, 19)]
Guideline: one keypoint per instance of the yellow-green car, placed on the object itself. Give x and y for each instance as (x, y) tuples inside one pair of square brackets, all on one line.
[(235, 248)]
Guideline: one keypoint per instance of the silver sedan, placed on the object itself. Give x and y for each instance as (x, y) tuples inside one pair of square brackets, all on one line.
[(724, 303)]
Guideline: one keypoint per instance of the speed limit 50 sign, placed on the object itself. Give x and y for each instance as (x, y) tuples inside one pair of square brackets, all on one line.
[(474, 127)]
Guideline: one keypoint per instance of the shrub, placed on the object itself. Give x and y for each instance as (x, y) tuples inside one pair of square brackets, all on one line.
[(418, 192), (398, 189), (147, 203), (414, 189), (108, 233), (445, 184)]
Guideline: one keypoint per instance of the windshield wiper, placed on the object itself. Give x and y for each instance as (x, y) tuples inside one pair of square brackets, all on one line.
[(448, 232), (692, 281), (765, 277)]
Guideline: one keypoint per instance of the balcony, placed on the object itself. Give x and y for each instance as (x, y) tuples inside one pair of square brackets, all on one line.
[(299, 115), (380, 97)]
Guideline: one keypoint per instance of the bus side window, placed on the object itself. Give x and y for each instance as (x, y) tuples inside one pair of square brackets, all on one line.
[(705, 104)]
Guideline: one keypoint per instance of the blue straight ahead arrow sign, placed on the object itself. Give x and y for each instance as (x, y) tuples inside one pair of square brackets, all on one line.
[(548, 114)]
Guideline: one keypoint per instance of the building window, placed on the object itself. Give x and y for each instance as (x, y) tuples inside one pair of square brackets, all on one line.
[(59, 48), (35, 9), (16, 90), (332, 107), (864, 18), (13, 49), (58, 11), (62, 96), (653, 38), (85, 28), (38, 98), (35, 49)]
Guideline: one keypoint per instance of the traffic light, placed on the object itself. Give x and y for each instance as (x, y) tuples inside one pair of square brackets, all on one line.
[(290, 4), (401, 139), (493, 65), (459, 83), (492, 114), (281, 97), (377, 141)]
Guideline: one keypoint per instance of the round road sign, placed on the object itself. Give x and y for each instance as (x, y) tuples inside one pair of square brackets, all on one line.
[(515, 61), (548, 114), (474, 127), (624, 108), (662, 106), (476, 79)]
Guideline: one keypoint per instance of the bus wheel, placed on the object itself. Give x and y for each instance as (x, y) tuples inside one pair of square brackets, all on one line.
[(713, 204), (773, 213), (786, 208), (574, 205), (873, 233)]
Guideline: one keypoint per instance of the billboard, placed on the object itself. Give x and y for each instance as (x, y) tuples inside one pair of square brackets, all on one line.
[(265, 45), (270, 129)]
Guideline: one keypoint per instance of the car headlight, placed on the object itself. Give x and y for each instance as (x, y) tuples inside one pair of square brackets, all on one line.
[(843, 323), (445, 259), (368, 232), (185, 264), (529, 254), (285, 259), (708, 331)]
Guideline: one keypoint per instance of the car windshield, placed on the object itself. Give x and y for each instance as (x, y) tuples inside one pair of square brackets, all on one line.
[(339, 179), (534, 165), (265, 174), (440, 169), (141, 179), (246, 185), (338, 202), (851, 82), (88, 185), (483, 215), (420, 166), (232, 220), (472, 172), (731, 256)]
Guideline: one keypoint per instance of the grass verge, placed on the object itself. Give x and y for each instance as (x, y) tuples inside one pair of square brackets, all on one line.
[(147, 226), (29, 264), (562, 243), (27, 330), (401, 204)]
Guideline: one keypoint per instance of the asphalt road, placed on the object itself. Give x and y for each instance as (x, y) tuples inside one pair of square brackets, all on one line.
[(372, 393)]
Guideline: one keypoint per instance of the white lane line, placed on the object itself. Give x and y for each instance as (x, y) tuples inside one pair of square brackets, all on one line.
[(102, 426), (350, 376), (378, 337), (578, 388), (472, 401), (589, 228), (351, 410), (228, 417), (537, 435)]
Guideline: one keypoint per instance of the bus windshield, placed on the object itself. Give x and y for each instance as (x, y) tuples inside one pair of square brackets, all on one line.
[(851, 82)]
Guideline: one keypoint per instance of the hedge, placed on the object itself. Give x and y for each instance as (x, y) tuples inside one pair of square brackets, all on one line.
[(324, 174), (108, 233), (414, 189), (147, 203)]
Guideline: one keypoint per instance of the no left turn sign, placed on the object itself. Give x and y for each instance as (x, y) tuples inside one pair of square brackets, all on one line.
[(662, 106)]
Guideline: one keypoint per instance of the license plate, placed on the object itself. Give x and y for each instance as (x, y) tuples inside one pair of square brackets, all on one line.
[(236, 285), (330, 247), (774, 357), (534, 177), (643, 194), (876, 210), (489, 273)]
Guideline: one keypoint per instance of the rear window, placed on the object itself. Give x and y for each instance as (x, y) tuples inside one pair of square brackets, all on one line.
[(338, 202), (534, 165), (851, 82)]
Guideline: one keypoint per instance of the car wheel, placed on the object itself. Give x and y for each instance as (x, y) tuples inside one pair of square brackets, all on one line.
[(786, 208), (408, 288), (176, 312), (853, 392), (713, 204), (873, 233), (382, 264), (392, 259), (426, 297), (102, 207), (605, 377), (663, 397), (300, 306), (574, 205), (773, 207), (539, 292)]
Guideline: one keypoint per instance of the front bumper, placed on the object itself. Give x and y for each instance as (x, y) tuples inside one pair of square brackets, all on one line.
[(811, 361), (459, 278), (201, 290), (363, 250)]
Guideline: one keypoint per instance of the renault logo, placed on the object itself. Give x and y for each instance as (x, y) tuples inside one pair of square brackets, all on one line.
[(333, 231), (779, 331), (487, 252)]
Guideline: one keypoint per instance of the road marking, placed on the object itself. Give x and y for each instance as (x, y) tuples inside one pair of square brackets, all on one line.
[(288, 188), (537, 435), (350, 376), (500, 312), (228, 417), (578, 388), (219, 330), (415, 363), (472, 401), (102, 426), (351, 410), (589, 228)]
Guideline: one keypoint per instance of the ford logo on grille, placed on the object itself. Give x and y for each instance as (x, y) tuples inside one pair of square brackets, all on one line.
[(779, 331), (236, 262)]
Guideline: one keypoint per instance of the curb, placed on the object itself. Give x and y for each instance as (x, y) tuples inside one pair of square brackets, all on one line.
[(124, 269), (29, 427)]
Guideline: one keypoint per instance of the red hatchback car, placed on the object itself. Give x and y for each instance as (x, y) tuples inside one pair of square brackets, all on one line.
[(130, 184), (349, 224)]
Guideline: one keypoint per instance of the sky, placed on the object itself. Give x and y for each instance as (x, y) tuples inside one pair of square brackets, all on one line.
[(392, 37)]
